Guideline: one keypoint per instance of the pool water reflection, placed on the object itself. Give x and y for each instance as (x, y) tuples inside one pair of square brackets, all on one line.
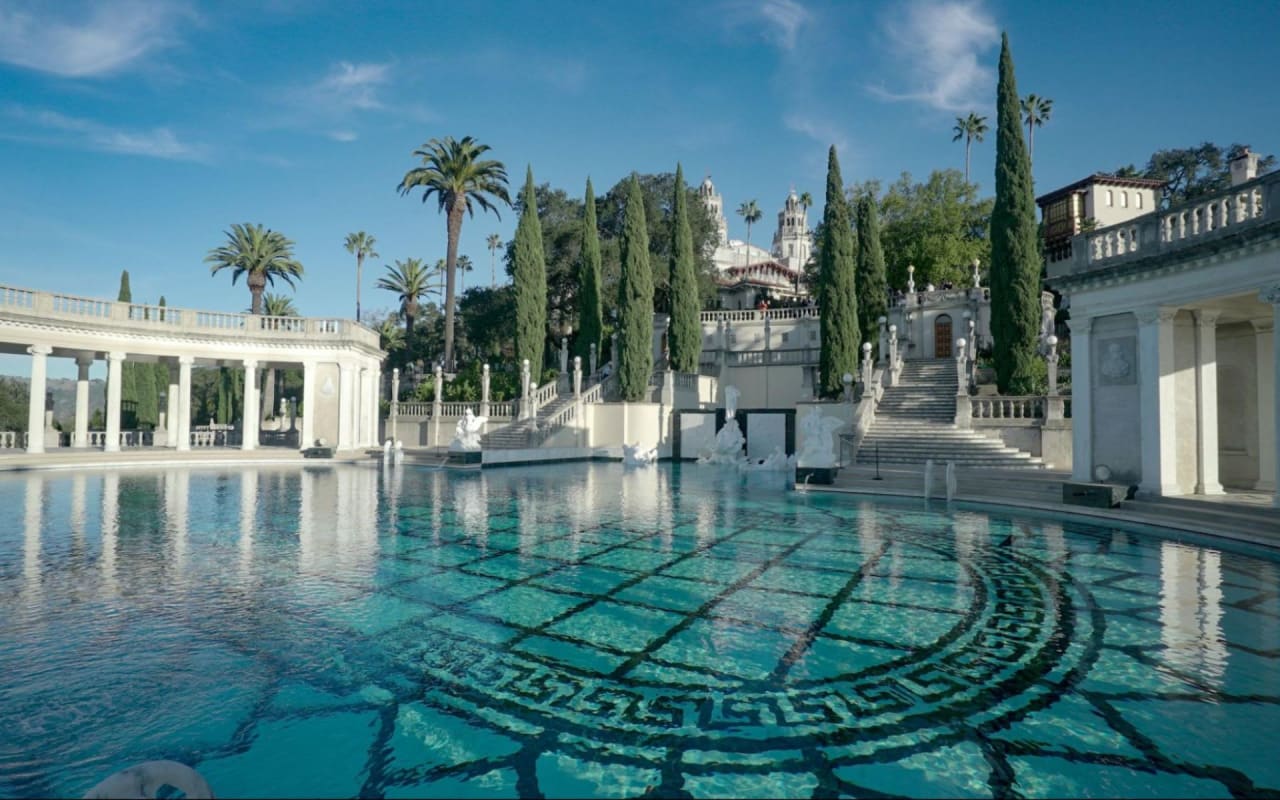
[(589, 629)]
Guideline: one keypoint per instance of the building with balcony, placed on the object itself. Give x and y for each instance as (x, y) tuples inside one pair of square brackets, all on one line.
[(1097, 201), (749, 274)]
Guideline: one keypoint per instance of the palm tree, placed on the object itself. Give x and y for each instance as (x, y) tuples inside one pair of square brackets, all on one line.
[(971, 128), (411, 281), (460, 179), (464, 266), (806, 200), (494, 241), (1037, 111), (274, 305), (261, 255), (390, 335), (751, 214), (361, 245)]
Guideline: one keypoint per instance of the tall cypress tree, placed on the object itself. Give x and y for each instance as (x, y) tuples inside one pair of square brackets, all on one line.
[(128, 370), (144, 383), (873, 293), (684, 339), (1015, 261), (590, 309), (838, 322), (529, 276), (635, 301), (160, 368)]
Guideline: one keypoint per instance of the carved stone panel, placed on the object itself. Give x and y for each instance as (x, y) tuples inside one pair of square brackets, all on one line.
[(1117, 361)]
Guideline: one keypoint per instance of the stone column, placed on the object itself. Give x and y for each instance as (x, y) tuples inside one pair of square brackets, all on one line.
[(171, 421), (375, 405), (867, 369), (1264, 349), (115, 368), (1271, 295), (1156, 399), (1207, 481), (80, 437), (393, 412), (893, 355), (577, 376), (964, 405), (436, 409), (35, 410), (345, 438), (249, 428), (309, 370), (484, 386), (524, 388), (183, 413), (362, 426), (1081, 396)]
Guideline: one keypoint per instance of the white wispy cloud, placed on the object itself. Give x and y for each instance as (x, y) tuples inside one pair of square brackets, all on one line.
[(352, 87), (821, 131), (55, 128), (343, 136), (87, 39), (938, 43), (779, 22)]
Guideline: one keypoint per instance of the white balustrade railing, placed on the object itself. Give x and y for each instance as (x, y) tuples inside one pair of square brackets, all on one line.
[(544, 394), (1005, 408), (760, 358), (55, 305), (757, 315), (10, 440), (1183, 225), (593, 394), (504, 408)]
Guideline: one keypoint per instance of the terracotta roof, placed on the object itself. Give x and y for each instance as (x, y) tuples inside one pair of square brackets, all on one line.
[(1103, 178)]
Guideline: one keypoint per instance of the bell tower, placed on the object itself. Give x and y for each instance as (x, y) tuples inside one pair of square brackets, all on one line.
[(791, 244), (715, 204)]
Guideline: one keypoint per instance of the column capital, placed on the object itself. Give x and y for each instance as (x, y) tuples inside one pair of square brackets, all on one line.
[(1080, 326), (1208, 317), (250, 364), (1155, 314), (186, 361), (1270, 294), (116, 355), (39, 350), (85, 359), (1263, 324)]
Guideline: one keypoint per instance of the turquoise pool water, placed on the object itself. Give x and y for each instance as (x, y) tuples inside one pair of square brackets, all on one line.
[(591, 630)]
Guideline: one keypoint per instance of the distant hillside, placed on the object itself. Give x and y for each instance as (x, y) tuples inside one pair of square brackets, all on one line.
[(64, 396)]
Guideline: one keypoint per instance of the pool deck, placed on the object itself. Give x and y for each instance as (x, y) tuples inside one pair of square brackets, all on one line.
[(1246, 517)]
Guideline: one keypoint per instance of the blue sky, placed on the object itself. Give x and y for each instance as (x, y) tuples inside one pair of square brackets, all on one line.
[(133, 133)]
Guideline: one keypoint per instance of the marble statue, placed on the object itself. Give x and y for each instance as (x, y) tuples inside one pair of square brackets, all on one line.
[(637, 455), (777, 461), (731, 395), (819, 439), (466, 435), (729, 443)]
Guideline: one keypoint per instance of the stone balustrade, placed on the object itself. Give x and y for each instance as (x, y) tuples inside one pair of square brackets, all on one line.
[(760, 358), (999, 407), (498, 410), (148, 319), (757, 315), (1182, 226)]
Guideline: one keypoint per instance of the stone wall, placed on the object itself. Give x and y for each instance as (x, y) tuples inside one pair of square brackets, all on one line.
[(1117, 422)]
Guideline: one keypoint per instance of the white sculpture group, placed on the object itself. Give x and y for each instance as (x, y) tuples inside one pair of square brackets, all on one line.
[(818, 449), (637, 455), (729, 440), (466, 435)]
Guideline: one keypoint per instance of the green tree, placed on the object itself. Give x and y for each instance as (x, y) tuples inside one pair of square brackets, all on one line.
[(971, 128), (259, 254), (530, 280), (493, 243), (590, 306), (939, 226), (1015, 262), (14, 398), (160, 372), (486, 321), (836, 289), (751, 214), (1036, 110), (128, 370), (1192, 172), (361, 245), (146, 410), (873, 293), (635, 302), (410, 280), (685, 335), (460, 179)]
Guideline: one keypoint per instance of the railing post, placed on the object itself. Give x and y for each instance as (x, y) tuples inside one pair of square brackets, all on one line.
[(577, 376), (395, 404), (1051, 358), (526, 400), (484, 391)]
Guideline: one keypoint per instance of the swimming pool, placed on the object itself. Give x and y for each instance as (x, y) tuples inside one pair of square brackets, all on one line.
[(593, 630)]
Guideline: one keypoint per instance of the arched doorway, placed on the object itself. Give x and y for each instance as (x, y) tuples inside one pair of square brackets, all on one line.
[(942, 336)]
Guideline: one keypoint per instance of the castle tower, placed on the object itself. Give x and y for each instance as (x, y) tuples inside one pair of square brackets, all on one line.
[(715, 204), (791, 243)]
